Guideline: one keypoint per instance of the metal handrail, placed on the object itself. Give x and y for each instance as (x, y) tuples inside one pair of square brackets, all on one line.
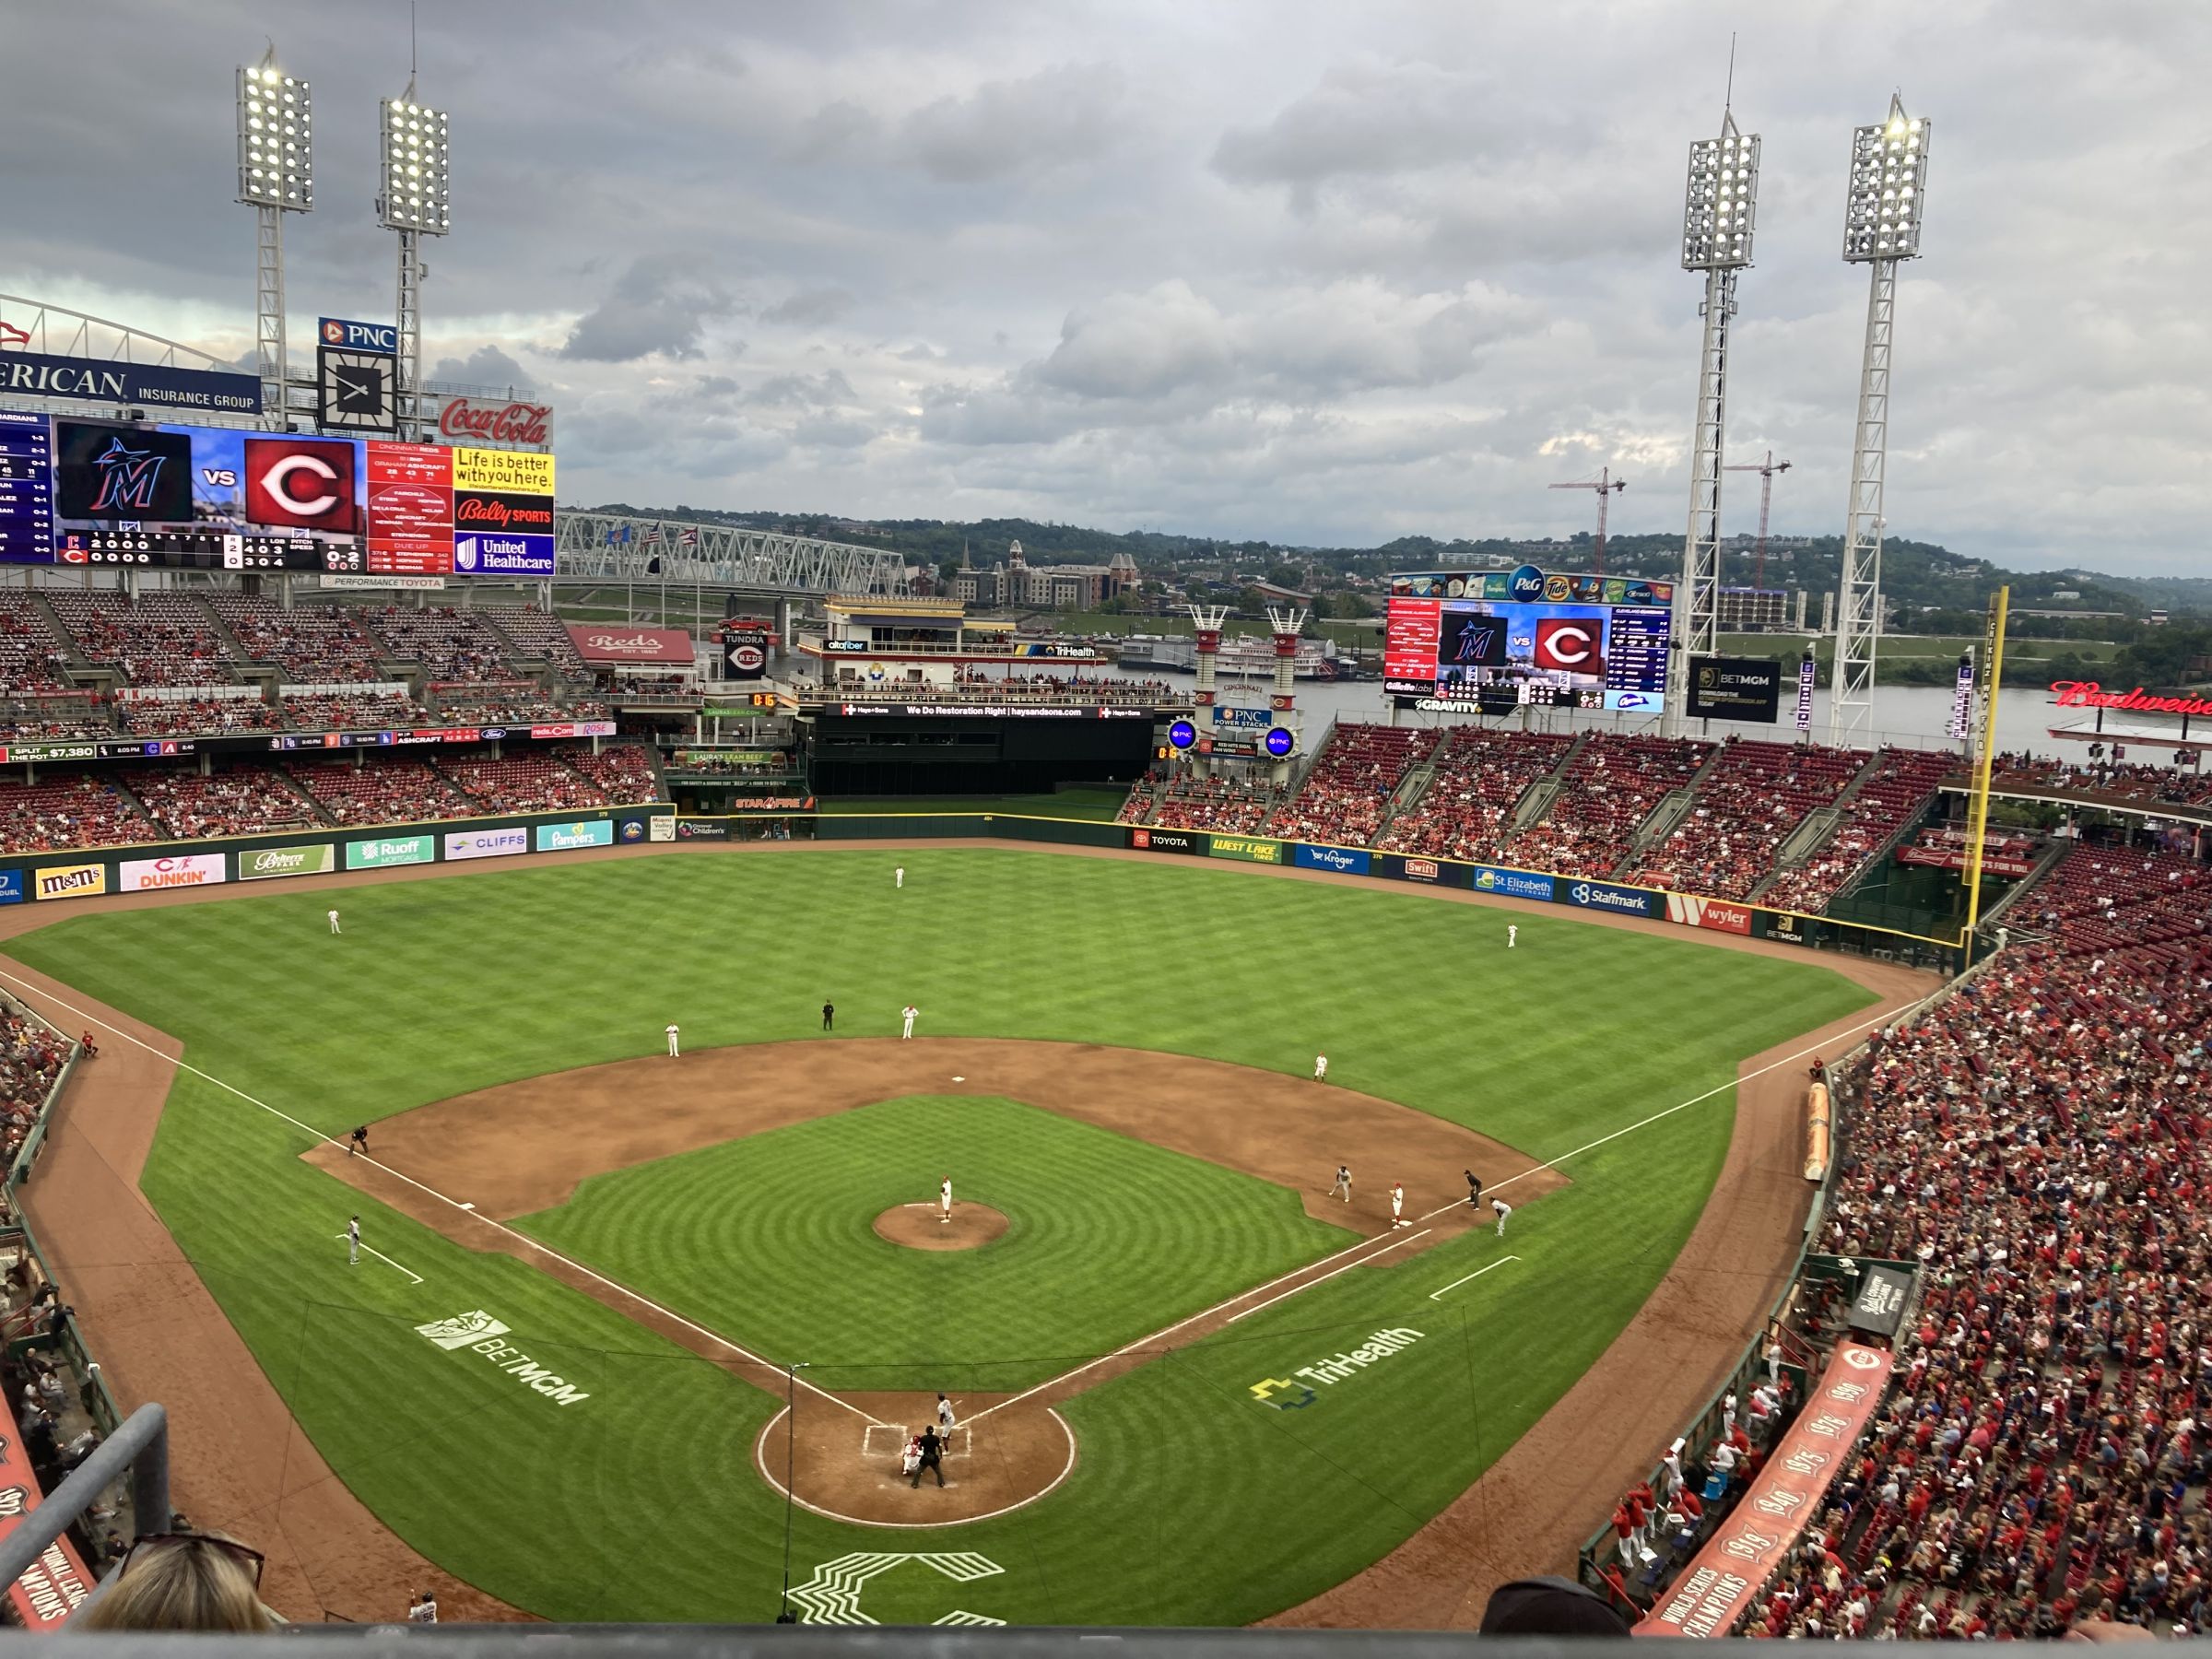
[(139, 1447)]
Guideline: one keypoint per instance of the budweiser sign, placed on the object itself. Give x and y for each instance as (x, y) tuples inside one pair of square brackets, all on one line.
[(465, 420), (2088, 694)]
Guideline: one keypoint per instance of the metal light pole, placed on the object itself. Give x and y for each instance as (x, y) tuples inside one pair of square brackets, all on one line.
[(1881, 227), (275, 176), (790, 1416), (1719, 209), (412, 199)]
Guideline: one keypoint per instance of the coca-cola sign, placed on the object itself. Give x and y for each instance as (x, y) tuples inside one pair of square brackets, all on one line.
[(530, 514), (468, 421)]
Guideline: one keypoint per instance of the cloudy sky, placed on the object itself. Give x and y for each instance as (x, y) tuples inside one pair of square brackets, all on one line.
[(1316, 273)]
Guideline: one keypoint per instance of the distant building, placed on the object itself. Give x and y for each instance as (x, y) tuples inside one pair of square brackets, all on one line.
[(1045, 587), (1753, 610)]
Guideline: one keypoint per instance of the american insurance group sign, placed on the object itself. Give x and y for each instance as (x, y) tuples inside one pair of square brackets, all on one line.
[(471, 420)]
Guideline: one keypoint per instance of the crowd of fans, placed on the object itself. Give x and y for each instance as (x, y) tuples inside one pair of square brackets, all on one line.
[(519, 704), (362, 710), (30, 1059), (1611, 786), (2040, 1144), (1232, 806), (1481, 777), (2188, 785), (197, 716), (522, 782), (381, 790), (1892, 795), (68, 810), (1746, 805), (241, 798), (32, 655), (450, 645), (53, 719), (623, 773), (153, 640), (314, 644), (540, 636), (1348, 788)]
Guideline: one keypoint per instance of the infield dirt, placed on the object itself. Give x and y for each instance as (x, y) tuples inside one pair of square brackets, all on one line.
[(240, 1462)]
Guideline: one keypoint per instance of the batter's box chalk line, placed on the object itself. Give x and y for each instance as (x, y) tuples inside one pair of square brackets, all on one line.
[(961, 1436), (832, 1594)]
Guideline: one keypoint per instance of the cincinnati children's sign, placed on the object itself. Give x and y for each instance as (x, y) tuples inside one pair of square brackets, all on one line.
[(2089, 694)]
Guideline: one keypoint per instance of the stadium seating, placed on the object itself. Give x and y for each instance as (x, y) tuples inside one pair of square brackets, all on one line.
[(451, 646), (1234, 806), (243, 798), (364, 711), (32, 656), (313, 644), (1483, 774), (1744, 809), (1348, 788), (623, 773), (532, 781), (518, 704), (157, 640), (381, 790), (66, 810), (2126, 780), (1611, 786), (1898, 791), (541, 636), (197, 716), (53, 717)]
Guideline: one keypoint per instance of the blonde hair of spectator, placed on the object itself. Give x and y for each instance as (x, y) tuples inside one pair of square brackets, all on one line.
[(186, 1583)]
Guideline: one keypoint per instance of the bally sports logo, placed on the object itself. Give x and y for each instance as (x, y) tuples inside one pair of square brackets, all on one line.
[(1715, 913)]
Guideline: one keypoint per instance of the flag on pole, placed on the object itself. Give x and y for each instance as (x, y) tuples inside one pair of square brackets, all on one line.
[(691, 538), (610, 536), (626, 535), (653, 536)]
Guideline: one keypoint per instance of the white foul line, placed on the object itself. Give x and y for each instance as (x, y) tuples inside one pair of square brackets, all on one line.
[(524, 1239), (1330, 1274), (388, 1262), (1479, 1272)]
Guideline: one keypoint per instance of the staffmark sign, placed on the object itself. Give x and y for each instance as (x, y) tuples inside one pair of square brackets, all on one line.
[(1300, 1389), (479, 1332)]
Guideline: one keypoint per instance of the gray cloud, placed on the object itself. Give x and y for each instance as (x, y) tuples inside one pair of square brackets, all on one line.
[(810, 308), (486, 366), (656, 307), (1008, 128)]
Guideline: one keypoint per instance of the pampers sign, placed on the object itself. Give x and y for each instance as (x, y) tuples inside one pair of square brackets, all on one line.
[(488, 843), (1605, 896), (567, 838), (1511, 883), (1341, 860)]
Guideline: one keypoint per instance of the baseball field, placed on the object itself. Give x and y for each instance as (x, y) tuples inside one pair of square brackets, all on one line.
[(1192, 1388)]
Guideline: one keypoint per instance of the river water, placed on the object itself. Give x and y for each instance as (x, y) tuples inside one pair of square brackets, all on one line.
[(1909, 716)]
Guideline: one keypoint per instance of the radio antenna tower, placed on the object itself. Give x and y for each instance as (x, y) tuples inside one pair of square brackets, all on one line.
[(1608, 487), (1881, 229)]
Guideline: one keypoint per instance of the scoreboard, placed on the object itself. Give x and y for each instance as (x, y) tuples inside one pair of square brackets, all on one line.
[(1487, 641)]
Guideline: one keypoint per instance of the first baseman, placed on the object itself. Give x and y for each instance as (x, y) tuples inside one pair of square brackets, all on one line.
[(1397, 1205)]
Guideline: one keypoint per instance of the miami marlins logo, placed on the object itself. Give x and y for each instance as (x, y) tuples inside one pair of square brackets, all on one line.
[(128, 478)]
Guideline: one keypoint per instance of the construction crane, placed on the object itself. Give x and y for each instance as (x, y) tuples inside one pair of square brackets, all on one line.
[(1607, 487), (1766, 470)]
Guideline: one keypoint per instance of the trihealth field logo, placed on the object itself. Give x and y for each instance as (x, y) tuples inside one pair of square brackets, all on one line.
[(1281, 1394)]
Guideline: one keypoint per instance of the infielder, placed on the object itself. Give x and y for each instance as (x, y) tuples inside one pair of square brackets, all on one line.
[(945, 1199), (1397, 1205), (353, 1240), (1503, 1209), (906, 1015), (1320, 1068), (358, 1141), (672, 1039), (1513, 935), (944, 1417), (899, 876), (1344, 1182), (334, 921)]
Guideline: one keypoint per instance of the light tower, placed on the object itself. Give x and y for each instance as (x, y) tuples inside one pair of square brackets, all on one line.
[(1881, 227), (411, 199), (275, 176), (1608, 487), (1718, 211)]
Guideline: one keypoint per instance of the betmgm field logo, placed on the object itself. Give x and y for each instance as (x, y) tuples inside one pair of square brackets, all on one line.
[(462, 1329)]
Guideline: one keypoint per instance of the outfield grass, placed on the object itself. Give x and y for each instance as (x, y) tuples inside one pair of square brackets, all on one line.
[(1108, 1239), (1190, 1503), (1098, 805)]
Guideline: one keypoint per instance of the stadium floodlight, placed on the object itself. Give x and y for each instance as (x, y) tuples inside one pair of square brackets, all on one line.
[(276, 138), (412, 198), (1882, 216), (1889, 185), (275, 176), (1720, 205), (412, 168)]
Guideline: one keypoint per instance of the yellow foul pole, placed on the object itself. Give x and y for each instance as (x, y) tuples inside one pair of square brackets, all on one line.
[(1992, 657)]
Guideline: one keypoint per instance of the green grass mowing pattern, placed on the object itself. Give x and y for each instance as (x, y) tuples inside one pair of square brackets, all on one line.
[(1190, 1503), (1108, 1239), (1100, 805)]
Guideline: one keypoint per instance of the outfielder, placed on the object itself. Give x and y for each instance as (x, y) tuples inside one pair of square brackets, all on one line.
[(334, 921), (672, 1039), (945, 1199), (1503, 1209), (353, 1240), (899, 876), (1344, 1182), (1397, 1205), (1513, 935), (907, 1014), (1320, 1068)]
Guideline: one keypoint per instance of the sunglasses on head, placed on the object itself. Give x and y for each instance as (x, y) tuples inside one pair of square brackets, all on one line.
[(236, 1551)]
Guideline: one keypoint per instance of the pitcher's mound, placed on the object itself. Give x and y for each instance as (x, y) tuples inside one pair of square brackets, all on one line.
[(917, 1226)]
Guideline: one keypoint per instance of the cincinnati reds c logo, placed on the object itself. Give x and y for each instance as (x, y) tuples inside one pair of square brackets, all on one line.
[(277, 482)]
